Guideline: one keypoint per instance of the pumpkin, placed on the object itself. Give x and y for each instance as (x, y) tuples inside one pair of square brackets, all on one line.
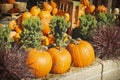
[(45, 41), (26, 15), (102, 8), (54, 11), (16, 36), (85, 2), (90, 8), (35, 10), (46, 27), (40, 62), (47, 7), (67, 16), (12, 24), (53, 4), (61, 59), (82, 53), (18, 29), (51, 38), (45, 14), (11, 1)]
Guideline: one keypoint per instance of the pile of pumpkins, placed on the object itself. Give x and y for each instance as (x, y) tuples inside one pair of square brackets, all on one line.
[(87, 8), (56, 60)]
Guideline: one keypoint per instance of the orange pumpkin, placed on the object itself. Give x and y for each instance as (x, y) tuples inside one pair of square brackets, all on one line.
[(16, 36), (18, 29), (51, 38), (53, 4), (45, 41), (12, 24), (82, 53), (90, 8), (35, 10), (26, 15), (40, 62), (47, 7), (85, 2), (46, 28), (61, 60), (54, 11), (11, 1), (102, 8), (45, 14)]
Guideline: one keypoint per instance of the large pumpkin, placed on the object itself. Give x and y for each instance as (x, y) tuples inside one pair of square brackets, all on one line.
[(40, 62), (82, 53), (61, 59)]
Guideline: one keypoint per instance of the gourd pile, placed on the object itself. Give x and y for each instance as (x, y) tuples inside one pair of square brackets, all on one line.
[(41, 34)]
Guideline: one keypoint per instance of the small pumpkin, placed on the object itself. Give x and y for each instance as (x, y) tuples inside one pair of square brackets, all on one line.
[(47, 6), (45, 14), (53, 4), (16, 36), (45, 41), (35, 10), (61, 59), (40, 62), (11, 1), (12, 24), (51, 38), (46, 27), (54, 11), (67, 16), (102, 8), (85, 2), (18, 29), (26, 15), (82, 53), (90, 8)]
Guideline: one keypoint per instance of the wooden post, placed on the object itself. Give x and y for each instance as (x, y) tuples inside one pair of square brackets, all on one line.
[(108, 4), (99, 2), (72, 7)]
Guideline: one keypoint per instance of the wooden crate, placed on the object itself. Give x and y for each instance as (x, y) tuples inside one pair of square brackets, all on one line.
[(72, 7)]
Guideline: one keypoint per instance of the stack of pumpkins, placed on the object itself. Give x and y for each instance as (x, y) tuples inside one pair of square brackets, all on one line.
[(57, 59)]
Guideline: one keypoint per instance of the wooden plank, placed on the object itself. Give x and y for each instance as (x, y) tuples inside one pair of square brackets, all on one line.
[(109, 5)]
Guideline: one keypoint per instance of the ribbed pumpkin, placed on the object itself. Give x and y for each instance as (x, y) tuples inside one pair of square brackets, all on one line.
[(82, 53), (40, 62), (61, 60)]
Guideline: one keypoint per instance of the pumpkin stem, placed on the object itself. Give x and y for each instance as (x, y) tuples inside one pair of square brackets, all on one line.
[(74, 41), (44, 48)]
